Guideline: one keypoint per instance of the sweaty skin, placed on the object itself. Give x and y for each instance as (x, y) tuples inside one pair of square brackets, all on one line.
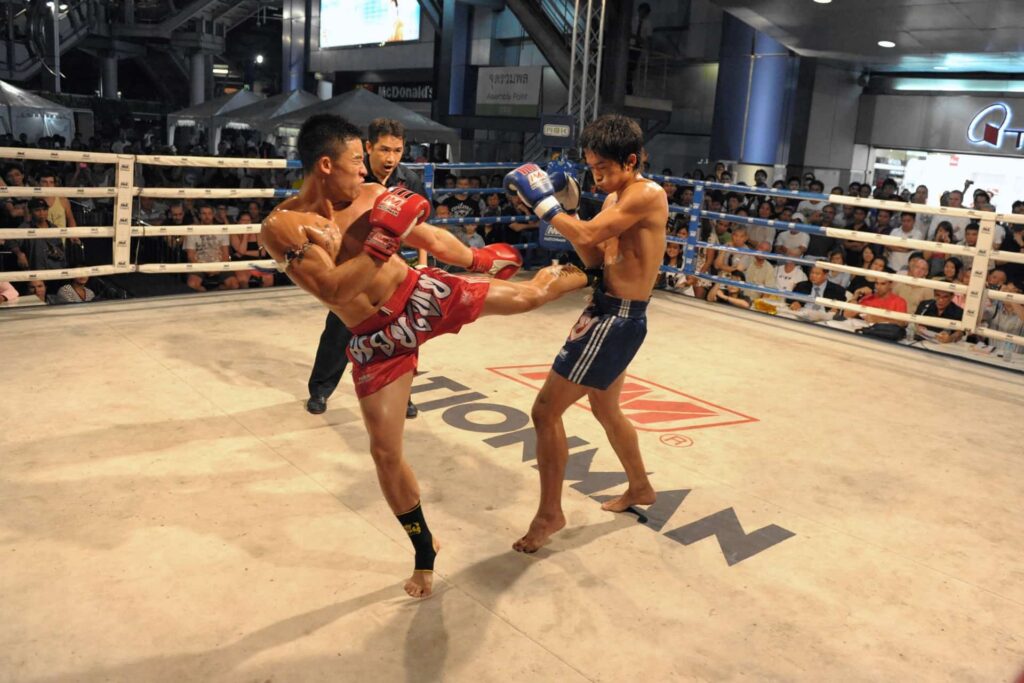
[(628, 238), (318, 237)]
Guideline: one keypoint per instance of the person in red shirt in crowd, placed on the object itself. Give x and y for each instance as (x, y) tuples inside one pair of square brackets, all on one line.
[(883, 297)]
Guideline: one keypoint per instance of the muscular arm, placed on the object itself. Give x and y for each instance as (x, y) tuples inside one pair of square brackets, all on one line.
[(440, 244), (614, 218), (311, 267)]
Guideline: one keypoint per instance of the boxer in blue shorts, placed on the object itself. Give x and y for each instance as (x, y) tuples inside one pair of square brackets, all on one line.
[(622, 247)]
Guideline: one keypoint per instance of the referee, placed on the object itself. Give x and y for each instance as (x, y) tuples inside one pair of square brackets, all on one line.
[(386, 141)]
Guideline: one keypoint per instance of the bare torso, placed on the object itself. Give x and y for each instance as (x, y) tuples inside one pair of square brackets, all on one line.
[(342, 240), (632, 259)]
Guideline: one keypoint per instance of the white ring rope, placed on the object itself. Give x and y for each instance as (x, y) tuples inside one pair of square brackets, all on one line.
[(1001, 336), (210, 162), (211, 267), (58, 155), (941, 285), (206, 193), (9, 191), (942, 211), (46, 233), (123, 230), (198, 229), (995, 295), (58, 273)]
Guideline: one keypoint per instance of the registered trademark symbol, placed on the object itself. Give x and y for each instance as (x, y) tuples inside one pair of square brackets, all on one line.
[(676, 440)]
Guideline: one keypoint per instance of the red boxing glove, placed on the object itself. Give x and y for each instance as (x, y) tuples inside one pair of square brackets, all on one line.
[(381, 244), (398, 211), (497, 260)]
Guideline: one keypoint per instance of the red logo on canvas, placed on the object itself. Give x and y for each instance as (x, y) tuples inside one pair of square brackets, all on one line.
[(649, 406)]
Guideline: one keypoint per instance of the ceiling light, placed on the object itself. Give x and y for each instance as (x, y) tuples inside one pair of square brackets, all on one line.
[(886, 43), (259, 59), (823, 2)]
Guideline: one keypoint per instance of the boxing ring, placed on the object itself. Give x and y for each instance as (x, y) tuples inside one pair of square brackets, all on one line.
[(830, 507)]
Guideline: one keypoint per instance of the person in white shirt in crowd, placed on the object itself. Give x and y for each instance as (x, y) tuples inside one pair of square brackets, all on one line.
[(900, 256), (788, 274), (150, 211), (727, 262), (208, 249), (844, 216), (75, 292), (809, 206), (762, 233), (760, 271), (838, 277), (792, 242), (959, 224), (923, 223), (1007, 316)]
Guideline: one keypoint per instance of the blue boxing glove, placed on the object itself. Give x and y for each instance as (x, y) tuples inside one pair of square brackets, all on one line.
[(567, 191), (532, 184)]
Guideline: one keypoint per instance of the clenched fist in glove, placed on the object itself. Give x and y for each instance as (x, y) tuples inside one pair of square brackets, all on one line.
[(393, 216), (497, 260)]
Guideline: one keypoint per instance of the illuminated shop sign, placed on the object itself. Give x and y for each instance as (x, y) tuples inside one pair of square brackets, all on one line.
[(991, 127)]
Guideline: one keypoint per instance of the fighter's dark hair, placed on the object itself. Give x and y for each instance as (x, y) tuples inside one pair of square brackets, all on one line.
[(323, 135), (614, 137), (383, 126)]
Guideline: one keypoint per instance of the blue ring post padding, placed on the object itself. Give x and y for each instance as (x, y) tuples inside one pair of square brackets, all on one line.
[(293, 163), (428, 181), (282, 193), (470, 190), (487, 220), (690, 255), (672, 179), (475, 164)]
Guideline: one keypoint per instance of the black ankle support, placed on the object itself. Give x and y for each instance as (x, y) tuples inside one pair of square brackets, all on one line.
[(419, 533)]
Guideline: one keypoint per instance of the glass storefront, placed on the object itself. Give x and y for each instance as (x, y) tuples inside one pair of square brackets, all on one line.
[(1002, 177)]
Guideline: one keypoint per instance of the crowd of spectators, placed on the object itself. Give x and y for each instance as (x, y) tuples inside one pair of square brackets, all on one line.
[(457, 195), (58, 212), (449, 202), (797, 273)]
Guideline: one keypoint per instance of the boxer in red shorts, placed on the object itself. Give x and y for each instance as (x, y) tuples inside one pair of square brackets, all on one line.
[(337, 239)]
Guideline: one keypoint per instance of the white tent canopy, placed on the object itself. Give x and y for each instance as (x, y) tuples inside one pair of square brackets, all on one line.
[(206, 115), (255, 115), (361, 106), (36, 117)]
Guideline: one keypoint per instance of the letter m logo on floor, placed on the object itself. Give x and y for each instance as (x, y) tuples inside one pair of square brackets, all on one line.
[(650, 407)]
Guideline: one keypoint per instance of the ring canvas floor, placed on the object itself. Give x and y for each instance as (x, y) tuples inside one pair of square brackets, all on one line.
[(170, 512)]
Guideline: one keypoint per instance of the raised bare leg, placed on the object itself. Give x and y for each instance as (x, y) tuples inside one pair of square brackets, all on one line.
[(550, 282), (623, 439), (554, 399), (384, 415)]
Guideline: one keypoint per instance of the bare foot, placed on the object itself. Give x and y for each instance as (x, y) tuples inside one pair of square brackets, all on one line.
[(541, 528), (560, 279), (643, 496), (421, 583)]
